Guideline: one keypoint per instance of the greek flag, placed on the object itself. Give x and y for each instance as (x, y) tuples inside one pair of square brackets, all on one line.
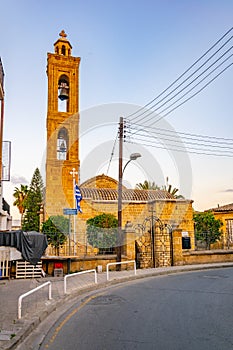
[(78, 197)]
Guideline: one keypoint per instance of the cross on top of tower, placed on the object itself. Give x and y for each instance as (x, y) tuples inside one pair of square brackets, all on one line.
[(73, 172), (63, 34)]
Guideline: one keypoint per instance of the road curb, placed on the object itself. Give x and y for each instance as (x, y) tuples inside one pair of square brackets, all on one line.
[(28, 325)]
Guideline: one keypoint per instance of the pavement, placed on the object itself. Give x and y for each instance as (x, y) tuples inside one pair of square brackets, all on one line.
[(36, 307)]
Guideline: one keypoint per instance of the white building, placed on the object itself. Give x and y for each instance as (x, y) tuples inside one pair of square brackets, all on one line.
[(5, 217)]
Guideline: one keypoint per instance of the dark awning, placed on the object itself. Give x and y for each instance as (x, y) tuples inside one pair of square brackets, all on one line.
[(31, 244)]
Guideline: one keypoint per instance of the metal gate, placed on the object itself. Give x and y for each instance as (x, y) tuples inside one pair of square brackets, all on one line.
[(154, 243)]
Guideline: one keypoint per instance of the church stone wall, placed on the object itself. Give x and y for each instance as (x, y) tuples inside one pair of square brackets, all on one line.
[(177, 214)]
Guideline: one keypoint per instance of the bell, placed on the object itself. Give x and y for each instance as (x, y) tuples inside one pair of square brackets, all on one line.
[(62, 147), (63, 95)]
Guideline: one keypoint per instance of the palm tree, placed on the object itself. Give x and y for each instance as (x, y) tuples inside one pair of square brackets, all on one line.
[(21, 194), (171, 190), (147, 185)]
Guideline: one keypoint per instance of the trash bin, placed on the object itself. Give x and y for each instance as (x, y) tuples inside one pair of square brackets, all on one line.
[(99, 268), (186, 244), (58, 269), (58, 272)]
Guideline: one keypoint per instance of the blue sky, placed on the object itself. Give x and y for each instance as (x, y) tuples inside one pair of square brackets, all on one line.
[(130, 51)]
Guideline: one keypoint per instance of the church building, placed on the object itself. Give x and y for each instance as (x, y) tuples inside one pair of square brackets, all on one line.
[(153, 221)]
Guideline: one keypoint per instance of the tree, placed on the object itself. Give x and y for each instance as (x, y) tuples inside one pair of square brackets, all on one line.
[(172, 191), (147, 185), (207, 228), (102, 232), (56, 229), (31, 219), (20, 195)]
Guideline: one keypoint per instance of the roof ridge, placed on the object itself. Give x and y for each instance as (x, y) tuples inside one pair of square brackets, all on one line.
[(127, 194)]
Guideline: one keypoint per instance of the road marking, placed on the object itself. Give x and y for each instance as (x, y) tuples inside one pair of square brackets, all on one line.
[(68, 317)]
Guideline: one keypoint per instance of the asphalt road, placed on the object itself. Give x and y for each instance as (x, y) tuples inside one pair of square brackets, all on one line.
[(181, 311)]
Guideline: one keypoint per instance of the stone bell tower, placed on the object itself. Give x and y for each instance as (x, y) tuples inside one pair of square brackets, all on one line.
[(62, 158)]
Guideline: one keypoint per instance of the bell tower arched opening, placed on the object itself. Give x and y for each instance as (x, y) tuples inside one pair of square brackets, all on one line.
[(63, 50), (63, 93), (62, 144)]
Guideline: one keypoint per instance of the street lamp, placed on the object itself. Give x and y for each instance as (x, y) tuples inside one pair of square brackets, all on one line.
[(133, 156)]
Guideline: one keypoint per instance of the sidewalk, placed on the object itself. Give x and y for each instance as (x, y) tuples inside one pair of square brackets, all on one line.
[(36, 307)]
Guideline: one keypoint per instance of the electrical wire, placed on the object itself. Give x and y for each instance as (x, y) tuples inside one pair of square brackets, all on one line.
[(187, 99), (205, 143), (184, 149), (196, 93), (174, 133), (153, 139), (184, 88), (112, 153), (171, 140), (224, 148), (182, 75), (150, 112)]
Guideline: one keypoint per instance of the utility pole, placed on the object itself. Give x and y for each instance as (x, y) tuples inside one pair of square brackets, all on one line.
[(133, 156), (152, 211), (119, 211)]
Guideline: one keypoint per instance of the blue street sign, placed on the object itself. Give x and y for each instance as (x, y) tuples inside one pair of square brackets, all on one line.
[(68, 211)]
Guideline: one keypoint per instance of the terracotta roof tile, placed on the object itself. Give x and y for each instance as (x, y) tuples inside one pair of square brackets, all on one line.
[(227, 207), (110, 194)]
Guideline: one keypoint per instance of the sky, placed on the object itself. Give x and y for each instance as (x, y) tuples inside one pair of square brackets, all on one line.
[(131, 50)]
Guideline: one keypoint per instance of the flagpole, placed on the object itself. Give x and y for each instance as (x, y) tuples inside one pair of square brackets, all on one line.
[(74, 216), (73, 173)]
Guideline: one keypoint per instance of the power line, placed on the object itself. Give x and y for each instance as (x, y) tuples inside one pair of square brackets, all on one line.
[(183, 74), (196, 93), (153, 139), (211, 141), (183, 142), (112, 153), (205, 143), (138, 127), (185, 87), (186, 93), (219, 144), (187, 99), (184, 149)]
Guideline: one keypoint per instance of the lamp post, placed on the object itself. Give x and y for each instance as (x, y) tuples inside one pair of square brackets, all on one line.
[(133, 156)]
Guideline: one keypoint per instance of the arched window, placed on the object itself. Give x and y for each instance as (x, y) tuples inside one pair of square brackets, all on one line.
[(63, 93), (62, 144), (63, 50)]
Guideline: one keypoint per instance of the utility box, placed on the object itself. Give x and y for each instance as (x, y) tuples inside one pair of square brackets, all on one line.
[(186, 243)]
